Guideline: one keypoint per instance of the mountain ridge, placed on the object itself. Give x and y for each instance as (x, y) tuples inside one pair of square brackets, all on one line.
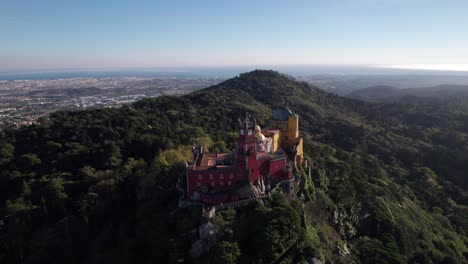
[(388, 93)]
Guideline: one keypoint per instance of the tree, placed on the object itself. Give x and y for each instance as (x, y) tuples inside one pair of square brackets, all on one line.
[(206, 142), (219, 146), (6, 153), (87, 172), (228, 253), (112, 155), (26, 190), (29, 161), (55, 190), (53, 147), (15, 206)]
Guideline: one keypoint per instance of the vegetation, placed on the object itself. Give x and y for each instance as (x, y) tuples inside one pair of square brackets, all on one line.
[(387, 181), (390, 94)]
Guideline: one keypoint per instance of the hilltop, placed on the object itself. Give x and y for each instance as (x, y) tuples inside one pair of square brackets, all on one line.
[(388, 181)]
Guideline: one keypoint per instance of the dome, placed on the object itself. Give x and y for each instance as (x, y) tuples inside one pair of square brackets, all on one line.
[(281, 114), (258, 133)]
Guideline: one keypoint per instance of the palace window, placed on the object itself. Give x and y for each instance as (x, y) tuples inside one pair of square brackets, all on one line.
[(212, 184), (200, 176), (231, 175), (229, 182), (198, 184), (221, 176), (221, 183), (211, 176)]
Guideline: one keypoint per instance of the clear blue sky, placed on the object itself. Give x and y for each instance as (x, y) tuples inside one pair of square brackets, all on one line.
[(59, 34)]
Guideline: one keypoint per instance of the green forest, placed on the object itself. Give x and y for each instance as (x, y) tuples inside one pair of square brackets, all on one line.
[(388, 183)]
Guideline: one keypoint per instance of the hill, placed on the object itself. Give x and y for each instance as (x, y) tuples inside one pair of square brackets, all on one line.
[(374, 93), (388, 183), (389, 94)]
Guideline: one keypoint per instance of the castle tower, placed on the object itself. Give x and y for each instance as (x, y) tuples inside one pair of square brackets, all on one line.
[(247, 149), (288, 124), (246, 140)]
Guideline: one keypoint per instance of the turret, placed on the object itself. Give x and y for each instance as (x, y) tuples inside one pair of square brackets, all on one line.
[(247, 129), (196, 151), (246, 140)]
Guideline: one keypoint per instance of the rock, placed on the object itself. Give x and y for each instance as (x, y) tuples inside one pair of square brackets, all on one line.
[(197, 249), (245, 192), (365, 216), (314, 260), (344, 251), (336, 219), (207, 231)]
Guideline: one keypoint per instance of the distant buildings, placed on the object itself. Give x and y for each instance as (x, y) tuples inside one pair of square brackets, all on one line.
[(23, 101)]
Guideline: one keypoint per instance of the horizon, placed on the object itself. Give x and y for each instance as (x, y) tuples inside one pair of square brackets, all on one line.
[(418, 67), (154, 34), (232, 71)]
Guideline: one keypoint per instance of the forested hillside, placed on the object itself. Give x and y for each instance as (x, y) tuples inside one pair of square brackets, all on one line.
[(392, 94), (388, 185)]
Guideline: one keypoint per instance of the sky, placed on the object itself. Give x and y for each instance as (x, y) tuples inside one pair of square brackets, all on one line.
[(85, 34)]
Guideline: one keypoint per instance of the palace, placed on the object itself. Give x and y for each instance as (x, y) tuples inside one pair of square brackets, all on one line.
[(262, 160)]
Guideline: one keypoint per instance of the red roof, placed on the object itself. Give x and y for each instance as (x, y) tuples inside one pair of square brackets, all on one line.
[(212, 160)]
